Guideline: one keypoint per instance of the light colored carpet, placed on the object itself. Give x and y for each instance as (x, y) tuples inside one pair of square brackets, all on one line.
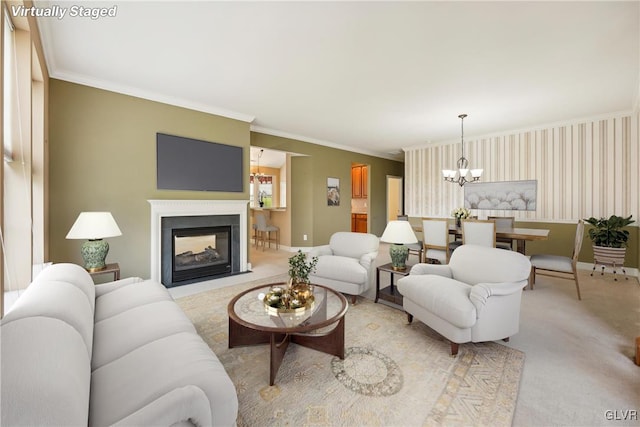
[(394, 373)]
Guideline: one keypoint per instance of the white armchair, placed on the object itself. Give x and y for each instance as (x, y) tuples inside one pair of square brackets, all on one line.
[(347, 263), (475, 298)]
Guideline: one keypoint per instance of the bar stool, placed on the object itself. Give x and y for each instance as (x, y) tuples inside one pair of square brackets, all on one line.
[(264, 230)]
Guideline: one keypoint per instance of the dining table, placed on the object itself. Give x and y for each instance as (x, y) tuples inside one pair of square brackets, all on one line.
[(520, 235)]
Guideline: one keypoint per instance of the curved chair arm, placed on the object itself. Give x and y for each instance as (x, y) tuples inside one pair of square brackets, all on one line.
[(367, 260), (440, 270), (481, 292), (320, 250)]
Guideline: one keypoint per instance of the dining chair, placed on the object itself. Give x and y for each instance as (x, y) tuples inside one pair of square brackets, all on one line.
[(414, 248), (503, 222), (479, 232), (567, 266), (435, 234)]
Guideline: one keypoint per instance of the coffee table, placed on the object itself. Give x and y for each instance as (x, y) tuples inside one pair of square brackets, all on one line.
[(321, 327)]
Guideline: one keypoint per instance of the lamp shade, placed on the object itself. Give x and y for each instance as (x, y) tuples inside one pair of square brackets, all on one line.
[(94, 225), (399, 232)]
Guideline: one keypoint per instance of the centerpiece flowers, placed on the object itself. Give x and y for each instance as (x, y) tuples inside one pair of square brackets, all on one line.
[(297, 294), (459, 214)]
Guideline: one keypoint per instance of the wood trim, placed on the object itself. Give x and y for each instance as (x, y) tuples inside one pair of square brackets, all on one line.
[(2, 24)]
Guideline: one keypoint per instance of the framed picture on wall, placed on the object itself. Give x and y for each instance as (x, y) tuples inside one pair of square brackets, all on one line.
[(333, 191), (504, 195)]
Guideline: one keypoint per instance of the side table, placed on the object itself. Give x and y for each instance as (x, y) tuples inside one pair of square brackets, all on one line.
[(389, 293), (113, 268)]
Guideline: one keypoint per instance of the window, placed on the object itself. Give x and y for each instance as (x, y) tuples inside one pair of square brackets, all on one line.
[(22, 171), (9, 78)]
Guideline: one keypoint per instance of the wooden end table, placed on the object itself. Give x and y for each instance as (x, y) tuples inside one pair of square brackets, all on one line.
[(113, 268), (389, 293), (320, 328)]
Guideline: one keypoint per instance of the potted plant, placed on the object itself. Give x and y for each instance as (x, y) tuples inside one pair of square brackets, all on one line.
[(459, 214), (297, 295), (300, 268), (609, 239)]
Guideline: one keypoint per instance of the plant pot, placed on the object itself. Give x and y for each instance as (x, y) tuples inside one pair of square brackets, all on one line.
[(609, 256)]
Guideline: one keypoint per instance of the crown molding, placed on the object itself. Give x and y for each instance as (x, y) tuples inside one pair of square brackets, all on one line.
[(604, 116), (302, 138), (151, 96)]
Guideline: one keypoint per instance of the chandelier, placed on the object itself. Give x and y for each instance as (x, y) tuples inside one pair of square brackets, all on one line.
[(463, 165), (259, 176)]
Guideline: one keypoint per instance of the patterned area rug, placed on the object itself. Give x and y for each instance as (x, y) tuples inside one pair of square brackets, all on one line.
[(394, 373)]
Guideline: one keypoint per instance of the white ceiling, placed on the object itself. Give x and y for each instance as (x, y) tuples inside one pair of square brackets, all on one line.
[(267, 158), (373, 76)]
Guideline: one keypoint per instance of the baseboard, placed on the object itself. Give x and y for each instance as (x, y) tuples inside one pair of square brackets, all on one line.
[(631, 271)]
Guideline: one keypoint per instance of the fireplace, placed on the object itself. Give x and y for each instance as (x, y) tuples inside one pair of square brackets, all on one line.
[(197, 248), (200, 252), (197, 240)]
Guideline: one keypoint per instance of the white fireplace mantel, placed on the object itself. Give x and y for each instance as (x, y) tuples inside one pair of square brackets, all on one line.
[(171, 208)]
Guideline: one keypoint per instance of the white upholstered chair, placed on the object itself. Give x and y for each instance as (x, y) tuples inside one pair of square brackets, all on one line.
[(479, 232), (474, 298), (347, 263), (504, 222), (435, 235), (567, 266)]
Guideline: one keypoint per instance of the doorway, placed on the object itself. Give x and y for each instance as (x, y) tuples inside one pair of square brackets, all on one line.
[(395, 197), (359, 198)]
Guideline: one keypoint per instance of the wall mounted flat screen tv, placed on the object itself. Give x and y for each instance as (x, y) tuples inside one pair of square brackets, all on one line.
[(191, 164)]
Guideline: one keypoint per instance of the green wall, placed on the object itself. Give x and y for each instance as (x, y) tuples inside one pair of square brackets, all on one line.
[(310, 214), (102, 157), (561, 237)]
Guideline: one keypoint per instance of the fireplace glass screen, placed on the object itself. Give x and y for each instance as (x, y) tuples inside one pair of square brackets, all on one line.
[(200, 252)]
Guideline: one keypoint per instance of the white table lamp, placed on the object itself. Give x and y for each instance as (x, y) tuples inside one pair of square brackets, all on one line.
[(399, 233), (94, 226)]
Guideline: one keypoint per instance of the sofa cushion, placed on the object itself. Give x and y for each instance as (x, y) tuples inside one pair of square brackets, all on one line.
[(444, 297), (341, 268), (45, 374), (131, 295), (57, 300), (173, 368), (126, 331), (73, 274)]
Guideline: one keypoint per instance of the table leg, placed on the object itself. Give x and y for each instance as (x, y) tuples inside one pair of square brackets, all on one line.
[(520, 246), (279, 344), (241, 335), (391, 284), (377, 284), (331, 343)]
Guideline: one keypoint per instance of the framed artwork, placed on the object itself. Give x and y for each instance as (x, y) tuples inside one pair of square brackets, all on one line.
[(333, 191), (503, 195)]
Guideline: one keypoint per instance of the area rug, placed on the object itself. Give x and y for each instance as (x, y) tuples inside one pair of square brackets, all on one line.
[(394, 373)]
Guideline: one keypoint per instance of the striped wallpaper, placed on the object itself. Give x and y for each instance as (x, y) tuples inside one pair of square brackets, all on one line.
[(590, 168)]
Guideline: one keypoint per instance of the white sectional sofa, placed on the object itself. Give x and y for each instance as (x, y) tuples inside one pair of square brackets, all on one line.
[(75, 353)]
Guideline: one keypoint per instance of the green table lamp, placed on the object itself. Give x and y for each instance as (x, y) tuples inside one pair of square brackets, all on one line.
[(94, 226), (399, 233)]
